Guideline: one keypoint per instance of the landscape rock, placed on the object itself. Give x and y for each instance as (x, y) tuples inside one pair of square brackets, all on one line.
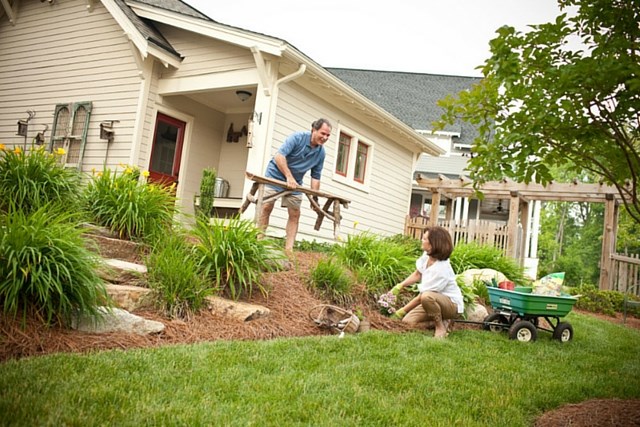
[(119, 271), (236, 309), (130, 297), (116, 320), (476, 313), (109, 247)]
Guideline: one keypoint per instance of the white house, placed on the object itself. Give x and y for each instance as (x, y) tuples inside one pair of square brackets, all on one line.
[(157, 84)]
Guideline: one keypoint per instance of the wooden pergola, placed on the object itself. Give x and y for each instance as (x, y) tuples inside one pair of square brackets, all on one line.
[(520, 195)]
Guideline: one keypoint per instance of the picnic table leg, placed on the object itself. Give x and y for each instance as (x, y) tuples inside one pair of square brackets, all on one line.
[(250, 197), (336, 219), (321, 214), (259, 203)]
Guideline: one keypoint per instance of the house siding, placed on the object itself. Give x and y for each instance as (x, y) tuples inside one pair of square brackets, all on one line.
[(204, 55), (380, 210), (62, 53)]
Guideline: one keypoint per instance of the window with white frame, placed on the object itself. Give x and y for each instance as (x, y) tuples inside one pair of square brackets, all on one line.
[(70, 126), (353, 159), (342, 158)]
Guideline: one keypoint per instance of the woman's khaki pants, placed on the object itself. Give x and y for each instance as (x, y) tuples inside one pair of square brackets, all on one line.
[(433, 307)]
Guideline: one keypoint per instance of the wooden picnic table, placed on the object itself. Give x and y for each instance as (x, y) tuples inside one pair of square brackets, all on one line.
[(330, 209)]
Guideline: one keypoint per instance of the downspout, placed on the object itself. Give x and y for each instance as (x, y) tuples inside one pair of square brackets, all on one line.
[(274, 96)]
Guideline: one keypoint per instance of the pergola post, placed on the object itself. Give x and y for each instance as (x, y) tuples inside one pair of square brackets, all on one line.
[(524, 221), (435, 207), (512, 225), (608, 242)]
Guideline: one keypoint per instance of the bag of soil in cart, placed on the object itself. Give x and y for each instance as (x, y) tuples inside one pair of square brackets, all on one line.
[(550, 285)]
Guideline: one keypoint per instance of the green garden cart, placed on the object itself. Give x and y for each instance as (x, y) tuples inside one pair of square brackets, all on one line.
[(519, 312)]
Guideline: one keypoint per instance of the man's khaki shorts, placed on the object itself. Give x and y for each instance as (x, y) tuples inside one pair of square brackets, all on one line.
[(289, 201)]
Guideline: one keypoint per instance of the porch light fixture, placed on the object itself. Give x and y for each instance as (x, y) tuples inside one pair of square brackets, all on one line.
[(243, 95), (23, 125)]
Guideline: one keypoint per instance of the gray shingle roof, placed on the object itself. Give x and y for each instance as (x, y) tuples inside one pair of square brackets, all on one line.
[(411, 97), (147, 29), (175, 6)]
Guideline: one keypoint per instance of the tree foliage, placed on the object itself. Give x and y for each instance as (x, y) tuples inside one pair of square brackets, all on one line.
[(543, 102)]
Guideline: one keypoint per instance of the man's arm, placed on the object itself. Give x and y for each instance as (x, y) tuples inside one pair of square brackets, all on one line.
[(315, 184), (281, 162)]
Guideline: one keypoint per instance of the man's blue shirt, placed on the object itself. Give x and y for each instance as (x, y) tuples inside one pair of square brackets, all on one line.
[(301, 157)]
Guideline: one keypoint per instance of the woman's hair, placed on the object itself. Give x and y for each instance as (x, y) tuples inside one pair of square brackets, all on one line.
[(318, 124), (440, 240)]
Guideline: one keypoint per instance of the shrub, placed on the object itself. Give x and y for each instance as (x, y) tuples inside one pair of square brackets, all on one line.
[(127, 206), (377, 262), (332, 280), (231, 253), (45, 267), (598, 301), (413, 246), (471, 255), (207, 191), (173, 273), (36, 178)]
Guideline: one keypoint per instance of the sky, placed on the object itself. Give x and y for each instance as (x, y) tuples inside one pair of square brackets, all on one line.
[(449, 37)]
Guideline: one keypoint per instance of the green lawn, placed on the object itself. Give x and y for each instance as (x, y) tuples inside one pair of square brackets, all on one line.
[(473, 378)]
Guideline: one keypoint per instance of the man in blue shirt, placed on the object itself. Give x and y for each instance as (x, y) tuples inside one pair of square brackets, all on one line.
[(300, 153)]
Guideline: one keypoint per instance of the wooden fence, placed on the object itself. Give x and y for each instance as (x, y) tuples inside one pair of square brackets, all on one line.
[(625, 273), (479, 231)]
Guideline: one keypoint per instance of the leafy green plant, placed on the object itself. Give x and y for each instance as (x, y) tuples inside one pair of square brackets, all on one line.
[(471, 255), (207, 191), (127, 206), (377, 262), (35, 178), (231, 253), (412, 245), (599, 301), (313, 246), (332, 280), (172, 271), (45, 267)]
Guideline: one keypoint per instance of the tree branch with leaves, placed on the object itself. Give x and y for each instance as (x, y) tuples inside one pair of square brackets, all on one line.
[(564, 93)]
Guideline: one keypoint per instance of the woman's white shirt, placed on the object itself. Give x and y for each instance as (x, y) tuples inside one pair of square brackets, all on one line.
[(439, 277)]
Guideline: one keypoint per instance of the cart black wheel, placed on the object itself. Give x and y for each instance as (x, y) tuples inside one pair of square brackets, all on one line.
[(563, 332), (495, 318), (523, 330)]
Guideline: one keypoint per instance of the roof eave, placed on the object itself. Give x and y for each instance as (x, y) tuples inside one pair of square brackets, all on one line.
[(413, 141), (212, 29), (139, 40)]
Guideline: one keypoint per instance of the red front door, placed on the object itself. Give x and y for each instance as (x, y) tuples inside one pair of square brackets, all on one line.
[(166, 150)]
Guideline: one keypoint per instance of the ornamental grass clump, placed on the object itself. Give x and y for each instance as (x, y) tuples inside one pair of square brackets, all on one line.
[(45, 268), (172, 271), (128, 206), (379, 263), (31, 179), (232, 255), (332, 280)]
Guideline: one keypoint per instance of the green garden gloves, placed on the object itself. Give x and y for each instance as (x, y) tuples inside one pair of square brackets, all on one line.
[(398, 314), (396, 289)]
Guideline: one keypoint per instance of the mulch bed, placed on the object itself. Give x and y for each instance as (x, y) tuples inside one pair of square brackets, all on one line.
[(290, 302)]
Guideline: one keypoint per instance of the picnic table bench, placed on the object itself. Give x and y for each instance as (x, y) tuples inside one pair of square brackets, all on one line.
[(330, 209)]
